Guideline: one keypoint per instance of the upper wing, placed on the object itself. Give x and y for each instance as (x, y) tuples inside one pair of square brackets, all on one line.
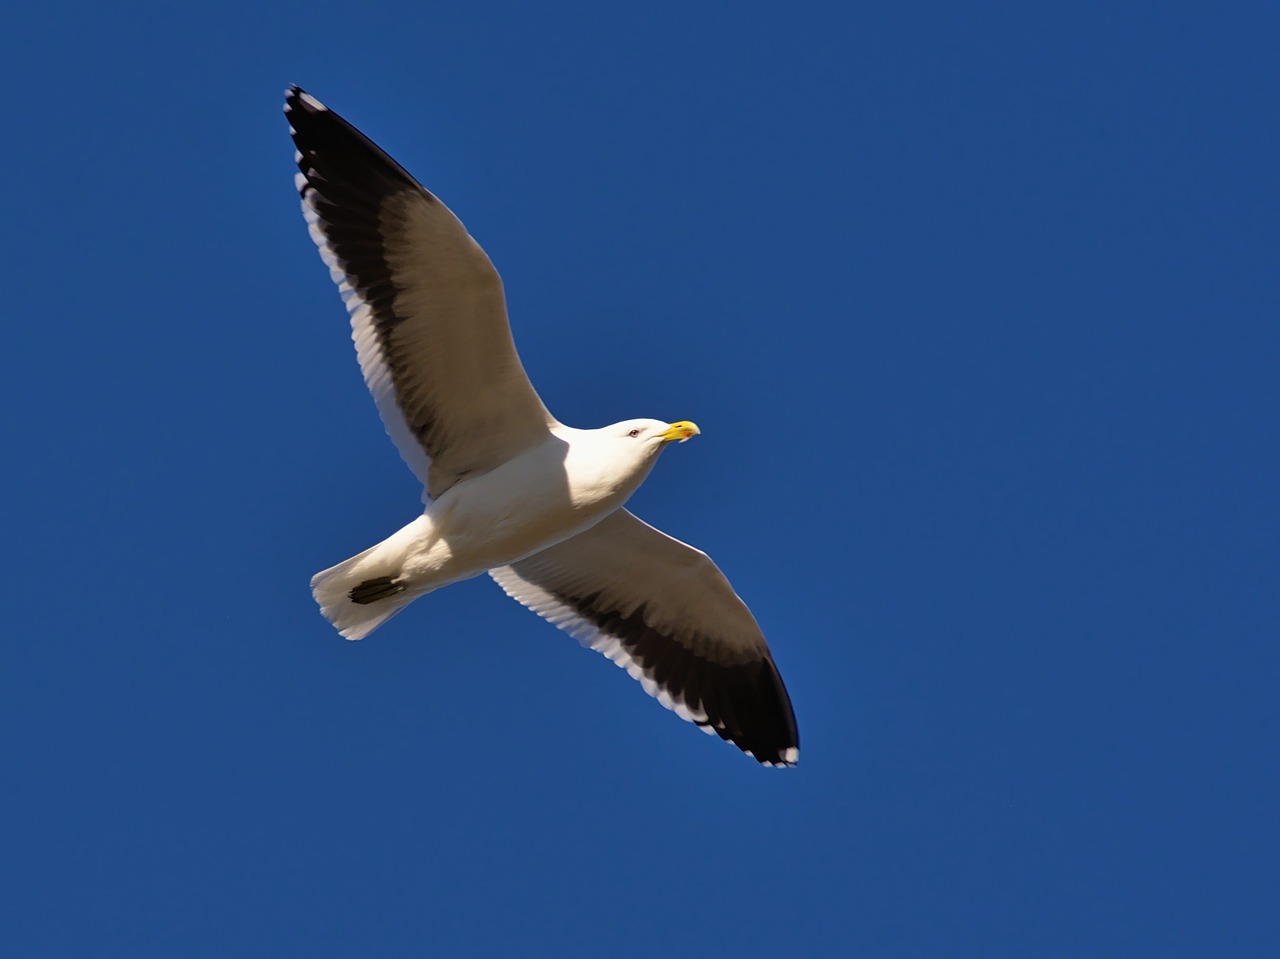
[(663, 611), (427, 312)]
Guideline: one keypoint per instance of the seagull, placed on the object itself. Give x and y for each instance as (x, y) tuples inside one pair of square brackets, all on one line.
[(508, 489)]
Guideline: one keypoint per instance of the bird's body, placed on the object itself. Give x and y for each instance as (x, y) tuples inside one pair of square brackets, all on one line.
[(507, 488), (543, 496)]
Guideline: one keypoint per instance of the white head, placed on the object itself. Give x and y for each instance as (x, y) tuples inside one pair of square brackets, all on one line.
[(653, 434), (640, 441), (606, 465), (650, 435)]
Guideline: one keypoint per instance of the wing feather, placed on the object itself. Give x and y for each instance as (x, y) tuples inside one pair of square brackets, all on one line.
[(428, 314), (664, 612)]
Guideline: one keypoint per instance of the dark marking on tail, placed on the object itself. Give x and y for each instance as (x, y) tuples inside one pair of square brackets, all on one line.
[(372, 590)]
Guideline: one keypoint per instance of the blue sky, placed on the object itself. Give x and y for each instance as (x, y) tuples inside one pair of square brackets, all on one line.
[(976, 306)]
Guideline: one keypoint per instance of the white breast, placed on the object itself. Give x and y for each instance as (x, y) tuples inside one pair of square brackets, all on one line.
[(542, 497)]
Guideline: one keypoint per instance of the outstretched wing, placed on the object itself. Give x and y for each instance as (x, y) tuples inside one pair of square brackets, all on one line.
[(428, 314), (662, 611)]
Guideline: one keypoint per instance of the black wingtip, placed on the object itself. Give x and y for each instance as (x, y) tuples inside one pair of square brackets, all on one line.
[(296, 98), (767, 731), (333, 151)]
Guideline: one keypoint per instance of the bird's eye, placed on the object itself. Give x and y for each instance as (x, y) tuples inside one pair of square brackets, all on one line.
[(634, 433)]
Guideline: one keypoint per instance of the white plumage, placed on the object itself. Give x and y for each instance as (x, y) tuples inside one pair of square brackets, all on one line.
[(507, 488)]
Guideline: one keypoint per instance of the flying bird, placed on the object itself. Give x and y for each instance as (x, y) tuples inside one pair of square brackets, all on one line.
[(508, 489)]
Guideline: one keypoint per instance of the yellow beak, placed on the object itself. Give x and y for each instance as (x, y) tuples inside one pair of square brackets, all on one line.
[(681, 431)]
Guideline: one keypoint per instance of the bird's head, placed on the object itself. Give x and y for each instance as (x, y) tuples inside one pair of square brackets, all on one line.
[(653, 435)]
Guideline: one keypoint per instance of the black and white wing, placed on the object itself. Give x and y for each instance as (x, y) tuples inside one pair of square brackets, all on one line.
[(665, 613), (428, 314)]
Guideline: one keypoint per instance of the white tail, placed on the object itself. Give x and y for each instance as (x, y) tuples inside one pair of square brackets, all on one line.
[(333, 588)]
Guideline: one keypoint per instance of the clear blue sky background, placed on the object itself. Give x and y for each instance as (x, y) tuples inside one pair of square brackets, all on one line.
[(977, 307)]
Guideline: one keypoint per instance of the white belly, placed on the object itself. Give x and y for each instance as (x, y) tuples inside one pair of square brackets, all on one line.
[(534, 501)]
